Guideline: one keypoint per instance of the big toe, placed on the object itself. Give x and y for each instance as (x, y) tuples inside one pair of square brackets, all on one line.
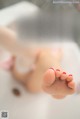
[(70, 81), (71, 85), (49, 77)]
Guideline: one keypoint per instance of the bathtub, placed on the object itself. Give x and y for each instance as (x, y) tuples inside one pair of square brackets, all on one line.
[(42, 106), (39, 106)]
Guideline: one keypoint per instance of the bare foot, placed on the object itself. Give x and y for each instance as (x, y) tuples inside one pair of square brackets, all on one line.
[(45, 58), (58, 84)]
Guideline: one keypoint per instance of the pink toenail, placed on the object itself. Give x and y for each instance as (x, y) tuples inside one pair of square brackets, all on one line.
[(57, 70), (64, 72), (70, 74), (51, 68)]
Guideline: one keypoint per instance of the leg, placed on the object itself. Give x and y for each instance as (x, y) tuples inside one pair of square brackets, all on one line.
[(58, 83), (8, 40)]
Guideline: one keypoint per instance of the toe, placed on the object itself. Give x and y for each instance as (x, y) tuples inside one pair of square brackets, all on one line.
[(63, 76), (71, 85), (58, 73), (49, 77), (70, 77)]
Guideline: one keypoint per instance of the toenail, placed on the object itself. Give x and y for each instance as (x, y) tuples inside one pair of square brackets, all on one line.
[(57, 70), (70, 74), (51, 68), (64, 72)]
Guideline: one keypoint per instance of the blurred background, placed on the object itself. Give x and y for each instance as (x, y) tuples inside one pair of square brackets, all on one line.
[(67, 16)]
